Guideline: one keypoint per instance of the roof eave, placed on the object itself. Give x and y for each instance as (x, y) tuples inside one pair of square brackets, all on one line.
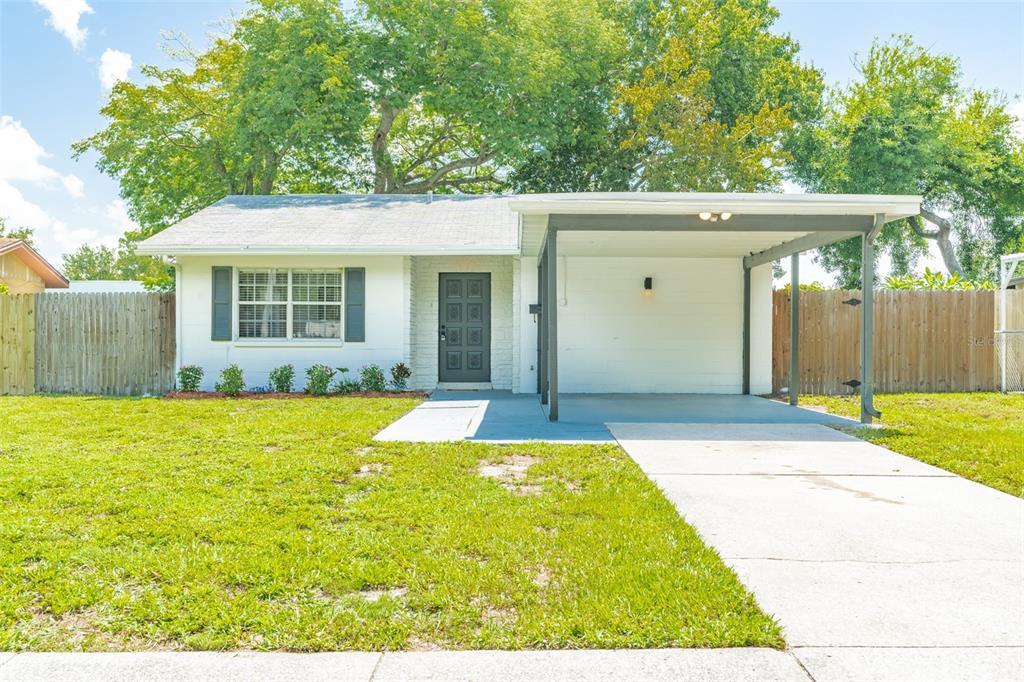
[(245, 250)]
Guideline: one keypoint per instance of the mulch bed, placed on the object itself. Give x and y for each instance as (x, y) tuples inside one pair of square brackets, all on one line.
[(267, 395)]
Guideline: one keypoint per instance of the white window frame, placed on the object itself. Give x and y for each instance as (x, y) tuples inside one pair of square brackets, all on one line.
[(287, 339)]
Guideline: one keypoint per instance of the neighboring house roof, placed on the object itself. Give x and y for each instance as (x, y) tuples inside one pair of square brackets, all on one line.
[(51, 276), (345, 223), (105, 286)]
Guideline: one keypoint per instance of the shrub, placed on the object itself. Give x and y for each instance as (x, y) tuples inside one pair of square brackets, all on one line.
[(282, 378), (400, 374), (318, 378), (231, 382), (189, 378), (372, 378), (344, 384)]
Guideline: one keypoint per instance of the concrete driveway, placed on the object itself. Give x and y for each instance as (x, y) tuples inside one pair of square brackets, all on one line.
[(878, 567)]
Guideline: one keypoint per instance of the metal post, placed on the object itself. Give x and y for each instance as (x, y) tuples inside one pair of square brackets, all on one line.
[(541, 333), (746, 331), (867, 323), (551, 306), (794, 328)]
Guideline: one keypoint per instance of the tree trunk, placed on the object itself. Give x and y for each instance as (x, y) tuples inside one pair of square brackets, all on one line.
[(942, 236), (383, 171)]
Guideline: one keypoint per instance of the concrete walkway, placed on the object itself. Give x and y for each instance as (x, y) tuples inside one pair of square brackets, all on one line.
[(878, 567), (668, 665)]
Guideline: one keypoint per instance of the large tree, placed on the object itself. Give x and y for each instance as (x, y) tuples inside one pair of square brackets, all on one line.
[(404, 96), (706, 98), (908, 125), (279, 94)]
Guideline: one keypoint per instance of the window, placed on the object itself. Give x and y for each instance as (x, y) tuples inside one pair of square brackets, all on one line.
[(262, 304), (316, 304), (289, 304)]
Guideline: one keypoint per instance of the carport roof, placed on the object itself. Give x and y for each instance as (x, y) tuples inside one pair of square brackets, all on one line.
[(668, 223)]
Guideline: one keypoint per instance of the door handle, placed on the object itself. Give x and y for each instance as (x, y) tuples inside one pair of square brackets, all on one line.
[(442, 332)]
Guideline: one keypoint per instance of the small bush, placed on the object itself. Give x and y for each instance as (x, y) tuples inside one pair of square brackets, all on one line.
[(346, 386), (400, 374), (189, 378), (282, 379), (318, 379), (372, 378), (231, 382)]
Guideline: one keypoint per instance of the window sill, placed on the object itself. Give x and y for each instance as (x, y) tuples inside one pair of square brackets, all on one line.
[(289, 343)]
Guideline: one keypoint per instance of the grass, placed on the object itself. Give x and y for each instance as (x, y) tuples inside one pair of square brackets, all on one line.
[(136, 524), (979, 436)]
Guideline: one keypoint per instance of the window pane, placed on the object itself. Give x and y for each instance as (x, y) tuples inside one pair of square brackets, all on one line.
[(312, 286), (258, 321), (316, 321)]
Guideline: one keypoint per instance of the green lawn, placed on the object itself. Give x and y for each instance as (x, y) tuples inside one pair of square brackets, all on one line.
[(278, 524), (977, 435)]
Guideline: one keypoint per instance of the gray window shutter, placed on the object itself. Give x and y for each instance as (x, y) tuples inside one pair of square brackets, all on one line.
[(221, 327), (355, 304)]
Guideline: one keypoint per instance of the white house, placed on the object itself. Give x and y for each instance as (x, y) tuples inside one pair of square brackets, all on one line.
[(647, 292)]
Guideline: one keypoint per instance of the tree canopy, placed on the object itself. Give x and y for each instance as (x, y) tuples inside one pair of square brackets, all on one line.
[(411, 96), (909, 126)]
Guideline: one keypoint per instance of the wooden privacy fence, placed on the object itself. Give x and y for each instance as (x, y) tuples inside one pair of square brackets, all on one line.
[(923, 341), (108, 344)]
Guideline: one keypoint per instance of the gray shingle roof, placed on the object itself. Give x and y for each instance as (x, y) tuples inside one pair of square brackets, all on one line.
[(340, 223)]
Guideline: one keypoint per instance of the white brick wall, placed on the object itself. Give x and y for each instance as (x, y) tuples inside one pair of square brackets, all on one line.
[(424, 274), (686, 338)]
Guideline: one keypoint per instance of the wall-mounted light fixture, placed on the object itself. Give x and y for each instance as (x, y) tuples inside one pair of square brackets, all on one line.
[(648, 286), (714, 217)]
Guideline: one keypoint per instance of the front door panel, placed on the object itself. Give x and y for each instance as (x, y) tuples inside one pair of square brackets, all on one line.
[(464, 351)]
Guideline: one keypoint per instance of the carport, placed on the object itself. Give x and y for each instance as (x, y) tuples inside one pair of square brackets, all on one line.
[(755, 229)]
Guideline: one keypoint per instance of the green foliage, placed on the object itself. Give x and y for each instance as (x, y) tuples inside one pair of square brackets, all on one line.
[(294, 525), (909, 125), (935, 281), (813, 286), (102, 262), (371, 378), (282, 379), (231, 382), (190, 377), (318, 379), (25, 234), (400, 374)]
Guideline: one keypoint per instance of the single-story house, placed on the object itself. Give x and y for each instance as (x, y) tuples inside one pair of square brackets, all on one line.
[(24, 271), (546, 293)]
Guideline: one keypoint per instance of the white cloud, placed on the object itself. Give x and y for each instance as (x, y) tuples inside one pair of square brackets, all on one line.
[(117, 214), (114, 67), (74, 185), (23, 160), (64, 17), (53, 235)]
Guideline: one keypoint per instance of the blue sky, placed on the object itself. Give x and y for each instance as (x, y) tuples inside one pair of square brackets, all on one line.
[(55, 54)]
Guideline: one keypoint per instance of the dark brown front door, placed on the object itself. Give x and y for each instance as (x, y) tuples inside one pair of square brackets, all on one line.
[(464, 351)]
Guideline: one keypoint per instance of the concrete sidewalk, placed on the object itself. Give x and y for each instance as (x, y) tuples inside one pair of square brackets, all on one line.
[(877, 566), (712, 665)]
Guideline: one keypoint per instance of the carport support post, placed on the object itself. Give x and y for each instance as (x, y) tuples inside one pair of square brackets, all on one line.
[(867, 322), (794, 328), (746, 330), (551, 312)]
